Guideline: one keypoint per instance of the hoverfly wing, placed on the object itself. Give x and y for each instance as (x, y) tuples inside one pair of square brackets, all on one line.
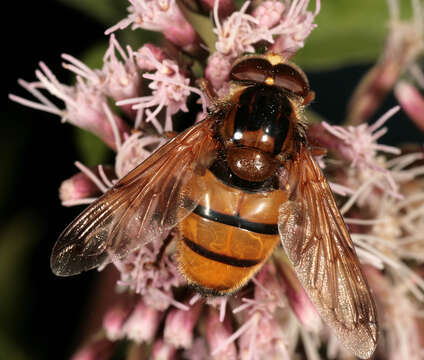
[(319, 246), (143, 205)]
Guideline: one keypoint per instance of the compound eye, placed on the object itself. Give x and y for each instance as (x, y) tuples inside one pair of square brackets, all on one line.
[(252, 70), (288, 77)]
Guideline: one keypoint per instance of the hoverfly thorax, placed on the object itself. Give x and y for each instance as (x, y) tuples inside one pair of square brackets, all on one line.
[(265, 115)]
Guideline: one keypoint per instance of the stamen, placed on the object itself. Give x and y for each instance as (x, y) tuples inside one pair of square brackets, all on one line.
[(242, 329), (111, 119), (91, 176)]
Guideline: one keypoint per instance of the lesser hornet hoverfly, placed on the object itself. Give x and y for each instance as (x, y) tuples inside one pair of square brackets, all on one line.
[(233, 186)]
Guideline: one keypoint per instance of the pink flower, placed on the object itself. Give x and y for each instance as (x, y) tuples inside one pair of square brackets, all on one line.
[(135, 149), (163, 351), (401, 317), (143, 54), (198, 351), (368, 173), (237, 33), (271, 317), (360, 142), (297, 297), (294, 27), (85, 105), (226, 7), (81, 187), (122, 79), (179, 326), (217, 332), (170, 89), (142, 272), (142, 324), (412, 101), (269, 13), (114, 320), (263, 339), (117, 79), (77, 187), (404, 45), (218, 70), (159, 15)]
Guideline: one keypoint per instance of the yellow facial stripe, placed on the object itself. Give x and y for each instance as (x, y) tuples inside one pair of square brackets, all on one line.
[(269, 80), (275, 59)]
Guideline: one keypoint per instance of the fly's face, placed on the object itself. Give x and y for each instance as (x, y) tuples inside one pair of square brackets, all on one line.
[(271, 70)]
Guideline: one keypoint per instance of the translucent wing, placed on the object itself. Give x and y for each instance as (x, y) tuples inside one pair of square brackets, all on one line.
[(318, 244), (144, 204)]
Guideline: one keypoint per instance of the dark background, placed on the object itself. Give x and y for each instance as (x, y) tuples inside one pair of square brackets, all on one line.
[(40, 314)]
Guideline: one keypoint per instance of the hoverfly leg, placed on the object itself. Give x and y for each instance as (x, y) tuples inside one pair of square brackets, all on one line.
[(309, 98), (208, 90), (162, 250), (168, 135), (318, 151)]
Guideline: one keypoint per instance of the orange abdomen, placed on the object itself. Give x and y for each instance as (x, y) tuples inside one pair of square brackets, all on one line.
[(228, 236)]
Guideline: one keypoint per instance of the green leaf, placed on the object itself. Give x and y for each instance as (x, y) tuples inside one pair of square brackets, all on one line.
[(91, 149), (202, 25), (107, 12), (348, 32)]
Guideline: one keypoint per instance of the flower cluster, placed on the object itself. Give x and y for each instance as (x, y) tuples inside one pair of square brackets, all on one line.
[(400, 59), (380, 187), (282, 25)]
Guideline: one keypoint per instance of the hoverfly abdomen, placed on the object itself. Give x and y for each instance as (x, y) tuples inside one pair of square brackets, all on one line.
[(228, 236)]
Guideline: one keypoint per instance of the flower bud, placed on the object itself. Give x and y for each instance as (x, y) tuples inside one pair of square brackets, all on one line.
[(412, 101), (142, 56), (179, 326), (114, 320), (218, 333), (80, 186), (225, 7), (268, 289), (264, 339), (404, 45), (142, 323), (181, 34), (372, 90), (77, 187), (268, 13), (218, 70), (198, 351), (297, 297), (163, 351), (179, 31)]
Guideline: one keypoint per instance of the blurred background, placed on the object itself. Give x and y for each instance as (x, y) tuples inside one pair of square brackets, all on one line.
[(41, 315)]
